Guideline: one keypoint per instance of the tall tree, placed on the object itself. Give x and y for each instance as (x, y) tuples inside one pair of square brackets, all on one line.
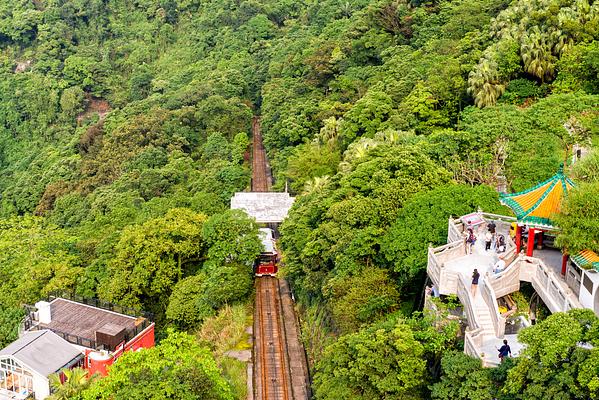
[(177, 368)]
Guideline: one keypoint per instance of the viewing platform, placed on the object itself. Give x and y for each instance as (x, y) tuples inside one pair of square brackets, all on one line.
[(450, 268)]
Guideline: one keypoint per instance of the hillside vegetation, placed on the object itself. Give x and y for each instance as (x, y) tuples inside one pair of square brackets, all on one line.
[(124, 131)]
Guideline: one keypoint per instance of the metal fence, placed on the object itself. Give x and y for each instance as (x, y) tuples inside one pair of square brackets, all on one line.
[(105, 305)]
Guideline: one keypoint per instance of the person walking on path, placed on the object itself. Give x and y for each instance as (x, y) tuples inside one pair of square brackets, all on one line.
[(504, 351), (474, 286)]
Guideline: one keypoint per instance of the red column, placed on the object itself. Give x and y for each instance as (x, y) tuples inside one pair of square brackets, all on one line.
[(518, 238), (564, 264), (531, 242), (540, 241)]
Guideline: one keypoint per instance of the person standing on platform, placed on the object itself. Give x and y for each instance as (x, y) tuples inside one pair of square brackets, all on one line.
[(474, 286), (488, 240), (470, 240)]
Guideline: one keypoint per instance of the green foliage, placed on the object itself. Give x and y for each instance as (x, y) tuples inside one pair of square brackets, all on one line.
[(150, 258), (360, 299), (579, 218), (177, 368), (587, 169), (463, 378), (378, 363), (232, 237), (76, 380), (227, 331), (41, 252), (544, 32), (72, 102), (10, 318), (554, 364), (338, 228), (579, 68), (309, 162), (186, 305), (520, 90)]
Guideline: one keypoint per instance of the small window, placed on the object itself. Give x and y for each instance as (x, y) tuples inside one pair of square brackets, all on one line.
[(588, 283)]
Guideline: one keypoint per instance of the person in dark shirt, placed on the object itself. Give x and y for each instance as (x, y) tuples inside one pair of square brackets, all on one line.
[(504, 351), (475, 276)]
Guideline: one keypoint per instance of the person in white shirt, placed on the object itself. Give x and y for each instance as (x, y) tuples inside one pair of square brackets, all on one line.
[(488, 240), (499, 265)]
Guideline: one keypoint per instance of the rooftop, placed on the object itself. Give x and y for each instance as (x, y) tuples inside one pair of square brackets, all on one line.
[(84, 321), (264, 207), (538, 205), (587, 259), (43, 351)]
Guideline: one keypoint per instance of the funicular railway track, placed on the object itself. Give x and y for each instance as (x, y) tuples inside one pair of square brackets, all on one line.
[(260, 171), (272, 374), (274, 367)]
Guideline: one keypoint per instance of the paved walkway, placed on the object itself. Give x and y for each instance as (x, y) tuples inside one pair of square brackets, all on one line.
[(483, 261)]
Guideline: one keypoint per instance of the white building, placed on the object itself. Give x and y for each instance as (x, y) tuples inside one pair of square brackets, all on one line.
[(264, 207), (26, 364)]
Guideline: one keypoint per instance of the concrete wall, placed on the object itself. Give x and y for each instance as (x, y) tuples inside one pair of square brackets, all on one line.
[(41, 386)]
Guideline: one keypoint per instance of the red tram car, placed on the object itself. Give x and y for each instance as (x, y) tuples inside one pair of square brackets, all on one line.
[(266, 264)]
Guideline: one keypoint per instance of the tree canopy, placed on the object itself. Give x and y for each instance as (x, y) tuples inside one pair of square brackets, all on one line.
[(125, 130)]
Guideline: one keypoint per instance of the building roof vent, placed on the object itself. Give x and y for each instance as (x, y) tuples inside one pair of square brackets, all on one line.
[(44, 312)]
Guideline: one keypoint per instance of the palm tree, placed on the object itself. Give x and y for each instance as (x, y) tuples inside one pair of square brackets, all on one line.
[(484, 83), (356, 151), (536, 54), (76, 380), (329, 133), (316, 184)]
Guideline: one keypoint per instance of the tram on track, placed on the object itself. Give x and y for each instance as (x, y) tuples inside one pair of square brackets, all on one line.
[(266, 264)]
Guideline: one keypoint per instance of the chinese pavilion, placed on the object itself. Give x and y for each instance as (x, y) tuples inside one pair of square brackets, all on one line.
[(536, 208)]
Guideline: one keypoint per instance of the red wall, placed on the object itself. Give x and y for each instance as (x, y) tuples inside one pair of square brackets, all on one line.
[(145, 339)]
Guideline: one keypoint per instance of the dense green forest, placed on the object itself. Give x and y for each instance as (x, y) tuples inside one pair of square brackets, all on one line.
[(124, 131)]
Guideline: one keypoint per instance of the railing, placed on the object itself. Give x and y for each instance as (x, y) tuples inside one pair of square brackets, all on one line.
[(78, 340), (505, 282), (490, 299), (453, 232), (86, 342), (464, 296), (437, 257), (473, 342), (548, 286), (473, 339), (433, 267), (498, 217), (449, 251), (105, 305)]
